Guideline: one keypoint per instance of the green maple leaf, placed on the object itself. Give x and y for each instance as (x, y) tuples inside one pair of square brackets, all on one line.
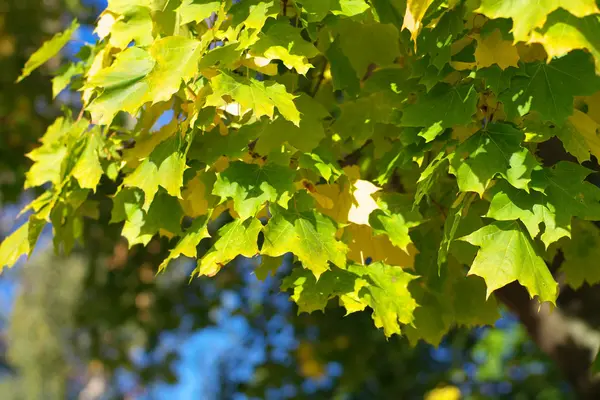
[(567, 195), (189, 241), (260, 97), (458, 300), (387, 294), (126, 6), (127, 98), (140, 226), (432, 319), (311, 294), (47, 166), (197, 10), (429, 177), (496, 78), (394, 218), (125, 84), (177, 60), (56, 154), (581, 254), (88, 169), (239, 237), (528, 15), (63, 77), (48, 50), (225, 56), (437, 41), (549, 88), (251, 186), (308, 234), (368, 43), (318, 9), (360, 119), (305, 137), (506, 254), (164, 167), (471, 307), (324, 167), (493, 150), (510, 204), (253, 13), (281, 41), (451, 225), (130, 66), (343, 76), (137, 76), (563, 32), (21, 241), (268, 266), (209, 146), (381, 287), (458, 105), (135, 25)]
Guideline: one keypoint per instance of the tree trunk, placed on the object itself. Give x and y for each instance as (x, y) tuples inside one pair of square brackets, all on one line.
[(567, 339)]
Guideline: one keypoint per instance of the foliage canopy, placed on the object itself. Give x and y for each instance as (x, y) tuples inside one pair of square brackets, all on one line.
[(395, 148)]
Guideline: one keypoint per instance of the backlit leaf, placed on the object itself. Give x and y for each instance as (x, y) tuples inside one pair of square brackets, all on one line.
[(48, 50), (507, 254)]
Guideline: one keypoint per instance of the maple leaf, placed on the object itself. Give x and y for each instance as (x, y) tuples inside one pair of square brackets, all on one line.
[(282, 41), (197, 10), (188, 243), (567, 195), (251, 186), (379, 286), (493, 150), (507, 254), (579, 136), (21, 241), (459, 104), (528, 15), (164, 167), (415, 11), (563, 33), (306, 136), (48, 50), (239, 237), (394, 217), (364, 44), (134, 25), (549, 88), (261, 97), (318, 9), (308, 234), (176, 61), (493, 49)]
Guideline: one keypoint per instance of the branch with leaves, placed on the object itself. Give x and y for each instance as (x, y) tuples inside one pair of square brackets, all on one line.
[(452, 105)]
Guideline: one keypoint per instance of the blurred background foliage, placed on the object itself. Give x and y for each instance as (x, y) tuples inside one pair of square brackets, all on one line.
[(101, 324)]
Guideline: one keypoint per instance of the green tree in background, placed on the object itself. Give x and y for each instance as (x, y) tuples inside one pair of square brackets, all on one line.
[(424, 162)]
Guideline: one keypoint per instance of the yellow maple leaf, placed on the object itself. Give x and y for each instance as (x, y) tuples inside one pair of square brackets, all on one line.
[(531, 52), (363, 203), (364, 246), (493, 49), (415, 11), (194, 202), (333, 200), (221, 164), (588, 128)]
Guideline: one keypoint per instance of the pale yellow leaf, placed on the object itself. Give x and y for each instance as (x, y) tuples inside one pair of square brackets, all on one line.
[(363, 203)]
